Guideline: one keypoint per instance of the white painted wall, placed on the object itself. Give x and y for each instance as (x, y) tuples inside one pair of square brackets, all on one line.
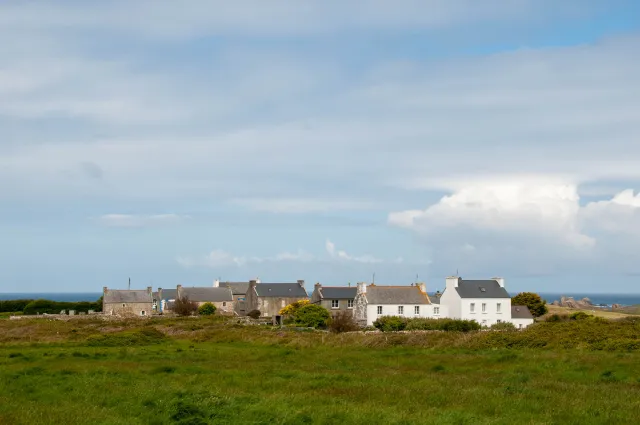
[(426, 310), (522, 323), (491, 315)]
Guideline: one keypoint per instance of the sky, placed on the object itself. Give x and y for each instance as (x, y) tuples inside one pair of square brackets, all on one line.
[(181, 142)]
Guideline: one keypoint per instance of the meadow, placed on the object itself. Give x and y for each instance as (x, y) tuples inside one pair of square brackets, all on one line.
[(210, 371)]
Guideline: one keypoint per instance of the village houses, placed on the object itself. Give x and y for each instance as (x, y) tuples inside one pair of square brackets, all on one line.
[(127, 302), (221, 298), (270, 298), (239, 291), (334, 298)]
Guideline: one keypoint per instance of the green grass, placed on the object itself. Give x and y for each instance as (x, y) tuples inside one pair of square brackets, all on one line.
[(204, 372)]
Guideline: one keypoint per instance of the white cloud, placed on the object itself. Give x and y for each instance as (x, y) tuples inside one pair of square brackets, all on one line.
[(129, 220), (221, 258), (301, 205), (343, 256)]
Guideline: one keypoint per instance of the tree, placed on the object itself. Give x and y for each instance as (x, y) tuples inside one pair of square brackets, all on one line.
[(207, 309), (537, 306), (293, 308), (312, 316), (254, 314), (343, 321), (184, 307)]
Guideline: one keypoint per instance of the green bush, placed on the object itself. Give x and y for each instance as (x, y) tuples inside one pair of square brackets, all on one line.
[(313, 316), (580, 315), (207, 309), (13, 306), (254, 314), (55, 307), (449, 325), (503, 326), (390, 323)]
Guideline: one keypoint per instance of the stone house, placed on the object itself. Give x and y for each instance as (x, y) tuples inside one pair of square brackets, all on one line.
[(409, 301), (485, 301), (269, 298), (165, 300), (221, 298), (127, 302), (334, 298), (521, 317), (239, 291)]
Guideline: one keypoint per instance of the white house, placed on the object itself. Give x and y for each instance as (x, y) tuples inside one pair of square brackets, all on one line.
[(375, 301), (521, 317), (485, 301)]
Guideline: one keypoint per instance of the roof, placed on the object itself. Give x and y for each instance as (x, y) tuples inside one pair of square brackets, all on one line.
[(338, 292), (280, 290), (481, 289), (435, 299), (238, 288), (396, 295), (127, 296), (207, 294), (520, 312), (169, 294)]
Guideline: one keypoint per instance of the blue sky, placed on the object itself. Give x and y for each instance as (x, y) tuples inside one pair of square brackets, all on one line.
[(323, 141)]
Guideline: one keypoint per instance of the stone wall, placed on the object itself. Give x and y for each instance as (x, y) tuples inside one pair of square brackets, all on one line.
[(128, 309)]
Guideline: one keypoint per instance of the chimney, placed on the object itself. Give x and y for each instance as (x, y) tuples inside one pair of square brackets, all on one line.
[(452, 282), (216, 283), (301, 283), (422, 286), (362, 287), (318, 285), (104, 290), (500, 281), (150, 290), (252, 283)]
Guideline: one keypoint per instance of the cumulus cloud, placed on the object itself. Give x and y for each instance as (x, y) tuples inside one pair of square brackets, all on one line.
[(221, 258), (131, 220), (343, 256)]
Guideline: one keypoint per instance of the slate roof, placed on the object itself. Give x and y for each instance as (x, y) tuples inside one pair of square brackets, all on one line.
[(169, 294), (395, 295), (127, 296), (207, 294), (481, 289), (338, 292), (280, 290), (520, 312), (238, 288), (434, 299)]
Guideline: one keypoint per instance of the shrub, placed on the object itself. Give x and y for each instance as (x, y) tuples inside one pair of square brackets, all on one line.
[(55, 307), (184, 307), (13, 306), (449, 325), (580, 315), (390, 323), (254, 314), (503, 326), (313, 316), (207, 309), (557, 318), (537, 306), (293, 308), (343, 321)]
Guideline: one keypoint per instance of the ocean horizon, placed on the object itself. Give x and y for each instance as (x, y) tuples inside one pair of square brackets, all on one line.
[(598, 299)]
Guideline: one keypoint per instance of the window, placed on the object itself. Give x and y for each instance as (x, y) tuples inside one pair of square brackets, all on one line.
[(124, 305), (335, 303), (498, 321), (484, 307), (472, 307), (142, 313), (224, 303), (416, 310), (498, 307), (401, 310), (349, 303), (436, 310), (520, 326), (379, 309)]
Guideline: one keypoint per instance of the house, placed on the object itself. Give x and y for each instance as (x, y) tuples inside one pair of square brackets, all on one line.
[(485, 301), (334, 298), (165, 299), (239, 291), (375, 301), (127, 302), (221, 298), (521, 317), (269, 298)]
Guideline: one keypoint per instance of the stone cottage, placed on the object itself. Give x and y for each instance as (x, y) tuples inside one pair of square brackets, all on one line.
[(221, 298), (239, 291), (127, 302), (269, 298), (334, 298)]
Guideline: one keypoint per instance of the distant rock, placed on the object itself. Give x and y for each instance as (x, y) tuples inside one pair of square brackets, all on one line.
[(614, 306), (570, 302)]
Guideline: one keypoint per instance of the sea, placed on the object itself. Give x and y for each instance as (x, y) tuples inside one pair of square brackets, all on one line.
[(596, 299)]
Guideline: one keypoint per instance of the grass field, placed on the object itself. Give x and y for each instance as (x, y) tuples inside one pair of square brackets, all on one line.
[(204, 372)]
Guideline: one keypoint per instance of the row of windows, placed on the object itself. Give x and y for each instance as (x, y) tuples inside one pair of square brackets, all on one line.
[(472, 307), (336, 303), (416, 310)]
